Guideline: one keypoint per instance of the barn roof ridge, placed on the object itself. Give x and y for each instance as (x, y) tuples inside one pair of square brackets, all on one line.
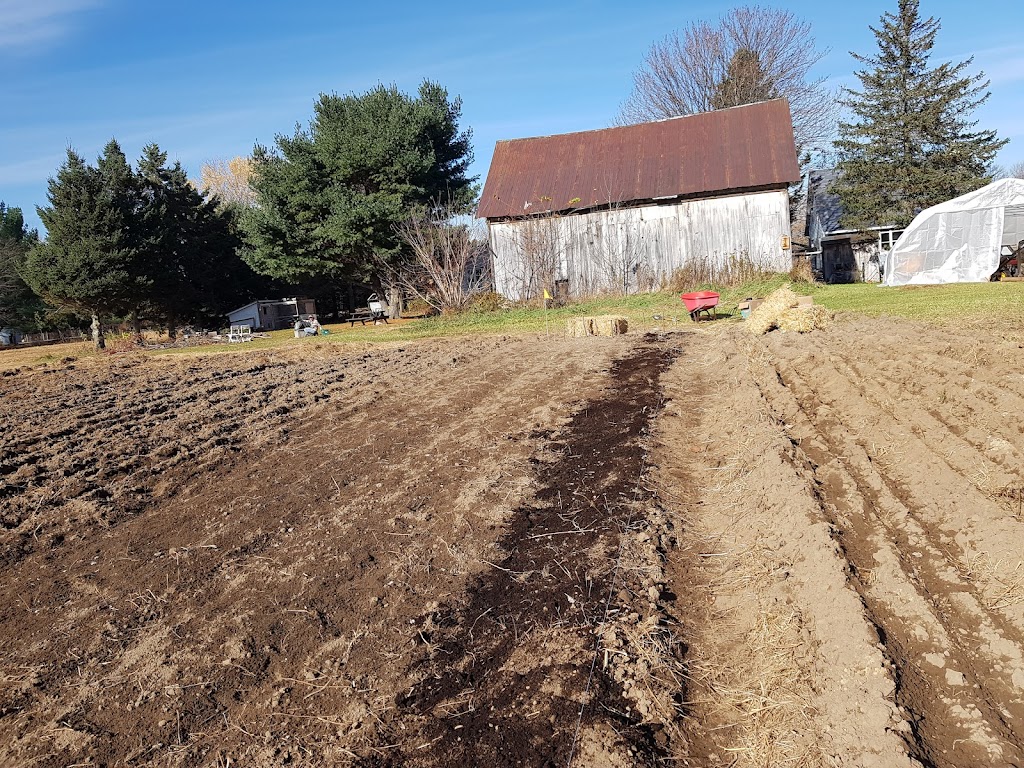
[(739, 148), (633, 125)]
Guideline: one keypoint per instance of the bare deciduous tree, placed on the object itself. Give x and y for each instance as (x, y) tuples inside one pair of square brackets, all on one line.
[(229, 180), (446, 264), (750, 54), (1016, 171)]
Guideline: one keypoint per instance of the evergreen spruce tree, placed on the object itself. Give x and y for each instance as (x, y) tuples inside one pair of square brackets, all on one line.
[(18, 304), (746, 82), (167, 216), (912, 142), (89, 259), (188, 244)]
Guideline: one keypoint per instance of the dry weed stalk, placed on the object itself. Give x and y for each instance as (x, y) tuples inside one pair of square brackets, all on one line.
[(1000, 586), (714, 269)]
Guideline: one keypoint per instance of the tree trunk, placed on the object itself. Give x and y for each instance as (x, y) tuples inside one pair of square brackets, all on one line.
[(172, 326), (389, 294), (136, 322), (97, 333), (394, 301)]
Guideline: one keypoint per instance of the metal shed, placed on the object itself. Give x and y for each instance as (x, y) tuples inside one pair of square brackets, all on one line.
[(271, 314), (622, 208)]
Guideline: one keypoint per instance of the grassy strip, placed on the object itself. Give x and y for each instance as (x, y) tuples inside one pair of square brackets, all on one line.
[(974, 301), (935, 303)]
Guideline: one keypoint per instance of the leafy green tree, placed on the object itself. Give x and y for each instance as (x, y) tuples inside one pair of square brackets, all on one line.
[(330, 198), (912, 142), (89, 261)]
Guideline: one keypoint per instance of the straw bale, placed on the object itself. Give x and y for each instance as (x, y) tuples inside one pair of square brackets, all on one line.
[(767, 315), (601, 325), (804, 319), (579, 326), (610, 325)]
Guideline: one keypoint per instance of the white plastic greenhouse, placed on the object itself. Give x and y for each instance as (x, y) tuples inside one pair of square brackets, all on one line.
[(960, 240)]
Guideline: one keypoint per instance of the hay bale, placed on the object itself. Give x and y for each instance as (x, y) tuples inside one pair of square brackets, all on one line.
[(579, 326), (804, 319), (766, 316), (601, 325), (610, 325)]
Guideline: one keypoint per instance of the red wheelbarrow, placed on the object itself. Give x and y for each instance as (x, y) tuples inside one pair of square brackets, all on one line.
[(701, 301)]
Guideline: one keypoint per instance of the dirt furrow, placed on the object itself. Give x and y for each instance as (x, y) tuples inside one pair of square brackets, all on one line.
[(969, 449), (937, 477), (934, 627), (949, 629), (784, 666)]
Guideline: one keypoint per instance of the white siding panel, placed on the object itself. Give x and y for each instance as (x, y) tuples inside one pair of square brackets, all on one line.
[(636, 249)]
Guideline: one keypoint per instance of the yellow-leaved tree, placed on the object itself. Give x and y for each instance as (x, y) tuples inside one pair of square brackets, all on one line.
[(229, 180)]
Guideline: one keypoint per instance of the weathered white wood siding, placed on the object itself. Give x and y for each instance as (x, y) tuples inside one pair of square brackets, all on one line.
[(637, 249)]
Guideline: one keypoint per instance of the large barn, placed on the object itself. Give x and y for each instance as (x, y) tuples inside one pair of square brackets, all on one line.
[(621, 208)]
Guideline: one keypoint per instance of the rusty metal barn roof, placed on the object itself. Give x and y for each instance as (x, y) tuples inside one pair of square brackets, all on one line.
[(742, 148)]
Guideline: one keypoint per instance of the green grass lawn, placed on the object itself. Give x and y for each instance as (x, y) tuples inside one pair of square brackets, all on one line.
[(976, 302), (934, 303)]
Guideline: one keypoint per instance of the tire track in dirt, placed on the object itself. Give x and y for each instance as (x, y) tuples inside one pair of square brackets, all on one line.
[(554, 586), (783, 666), (918, 627), (958, 658)]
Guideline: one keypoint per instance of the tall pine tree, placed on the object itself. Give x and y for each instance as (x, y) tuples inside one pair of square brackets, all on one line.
[(89, 261), (188, 246), (18, 304), (912, 142)]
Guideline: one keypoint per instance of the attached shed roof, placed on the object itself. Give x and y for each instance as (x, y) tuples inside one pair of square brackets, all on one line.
[(822, 203), (825, 208), (743, 148)]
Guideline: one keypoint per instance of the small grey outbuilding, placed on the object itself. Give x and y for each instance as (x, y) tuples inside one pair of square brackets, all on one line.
[(271, 314)]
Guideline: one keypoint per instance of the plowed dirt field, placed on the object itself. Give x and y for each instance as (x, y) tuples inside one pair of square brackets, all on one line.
[(691, 548)]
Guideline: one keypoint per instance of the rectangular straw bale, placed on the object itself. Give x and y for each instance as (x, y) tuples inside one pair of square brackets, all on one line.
[(610, 325), (601, 325), (579, 326)]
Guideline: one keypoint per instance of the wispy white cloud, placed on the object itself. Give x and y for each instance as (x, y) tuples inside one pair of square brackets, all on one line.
[(32, 23), (1009, 70), (34, 170), (1001, 64)]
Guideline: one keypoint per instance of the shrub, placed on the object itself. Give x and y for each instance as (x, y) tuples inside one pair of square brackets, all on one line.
[(705, 270), (801, 271), (487, 301)]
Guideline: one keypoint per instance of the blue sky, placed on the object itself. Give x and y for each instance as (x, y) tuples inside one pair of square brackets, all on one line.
[(206, 80)]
